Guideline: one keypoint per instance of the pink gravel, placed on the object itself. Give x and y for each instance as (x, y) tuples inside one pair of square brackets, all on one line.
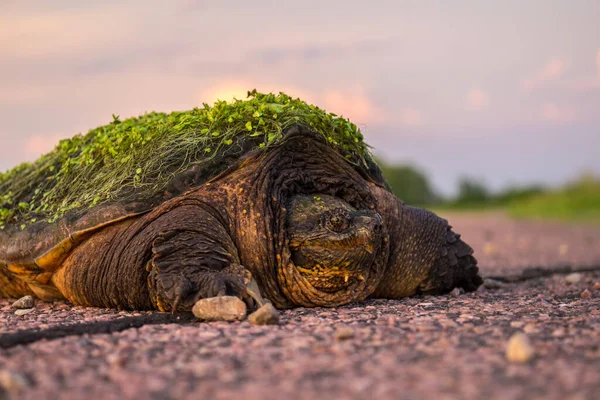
[(449, 346), (504, 246)]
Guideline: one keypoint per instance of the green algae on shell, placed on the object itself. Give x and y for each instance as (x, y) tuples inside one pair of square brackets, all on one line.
[(138, 158)]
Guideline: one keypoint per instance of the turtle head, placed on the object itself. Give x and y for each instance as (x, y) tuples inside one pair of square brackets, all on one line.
[(332, 245)]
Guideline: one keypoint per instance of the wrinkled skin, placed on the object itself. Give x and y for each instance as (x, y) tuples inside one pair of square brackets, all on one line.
[(297, 225)]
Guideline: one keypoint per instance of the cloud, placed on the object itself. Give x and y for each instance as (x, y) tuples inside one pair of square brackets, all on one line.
[(598, 64), (64, 33), (23, 95), (37, 145), (352, 103), (477, 99), (314, 52), (553, 70), (555, 113), (410, 116), (227, 91)]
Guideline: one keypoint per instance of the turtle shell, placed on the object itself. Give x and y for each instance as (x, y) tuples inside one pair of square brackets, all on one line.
[(129, 167)]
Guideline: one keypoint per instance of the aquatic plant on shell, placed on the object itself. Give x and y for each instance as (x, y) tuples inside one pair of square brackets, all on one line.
[(140, 156)]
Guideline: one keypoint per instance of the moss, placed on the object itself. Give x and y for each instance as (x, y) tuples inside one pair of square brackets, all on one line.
[(143, 154)]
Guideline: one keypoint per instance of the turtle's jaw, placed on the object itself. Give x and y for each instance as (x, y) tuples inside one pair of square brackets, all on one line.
[(333, 261), (336, 253)]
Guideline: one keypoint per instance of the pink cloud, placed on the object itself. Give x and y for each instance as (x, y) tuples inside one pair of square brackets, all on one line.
[(410, 116), (37, 145), (352, 103), (553, 70), (555, 113), (598, 64), (477, 99), (53, 34), (583, 84), (22, 95)]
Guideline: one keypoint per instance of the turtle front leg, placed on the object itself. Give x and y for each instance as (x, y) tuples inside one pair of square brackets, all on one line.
[(187, 266)]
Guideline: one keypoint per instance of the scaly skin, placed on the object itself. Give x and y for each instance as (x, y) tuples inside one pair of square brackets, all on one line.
[(246, 226)]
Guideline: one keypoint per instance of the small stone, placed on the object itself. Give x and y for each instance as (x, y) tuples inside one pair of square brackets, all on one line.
[(563, 249), (344, 333), (24, 302), (490, 283), (222, 308), (12, 382), (489, 249), (23, 312), (455, 292), (391, 320), (265, 315), (519, 348), (586, 294), (116, 360), (559, 332), (573, 278), (517, 324), (597, 286)]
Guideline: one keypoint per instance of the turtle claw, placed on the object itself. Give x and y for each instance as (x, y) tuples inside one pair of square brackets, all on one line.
[(180, 292), (254, 292)]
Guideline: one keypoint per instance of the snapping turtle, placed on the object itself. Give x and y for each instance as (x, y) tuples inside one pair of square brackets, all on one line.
[(264, 198)]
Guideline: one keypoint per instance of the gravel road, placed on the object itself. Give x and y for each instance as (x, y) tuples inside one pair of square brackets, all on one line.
[(451, 346)]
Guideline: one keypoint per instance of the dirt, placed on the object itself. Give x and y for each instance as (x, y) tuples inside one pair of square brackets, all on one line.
[(452, 346)]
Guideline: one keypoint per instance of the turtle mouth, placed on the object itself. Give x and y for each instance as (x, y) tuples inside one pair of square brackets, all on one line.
[(337, 263), (309, 283), (335, 252)]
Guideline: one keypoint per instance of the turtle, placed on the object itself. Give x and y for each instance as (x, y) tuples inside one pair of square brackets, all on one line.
[(268, 199)]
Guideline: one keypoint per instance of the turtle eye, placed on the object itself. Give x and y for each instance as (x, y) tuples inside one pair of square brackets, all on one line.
[(337, 220)]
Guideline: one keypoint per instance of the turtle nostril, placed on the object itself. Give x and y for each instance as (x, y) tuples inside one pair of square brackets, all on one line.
[(378, 223)]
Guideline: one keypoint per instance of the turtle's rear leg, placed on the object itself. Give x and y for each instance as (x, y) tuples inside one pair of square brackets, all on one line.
[(186, 266)]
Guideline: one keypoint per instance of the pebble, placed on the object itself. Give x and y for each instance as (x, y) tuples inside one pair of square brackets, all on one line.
[(456, 292), (490, 283), (23, 311), (222, 308), (586, 294), (12, 381), (117, 359), (519, 348), (597, 286), (559, 332), (573, 278), (24, 302), (489, 248), (563, 249), (344, 333), (265, 315)]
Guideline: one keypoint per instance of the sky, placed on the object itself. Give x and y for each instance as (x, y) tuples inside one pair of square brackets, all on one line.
[(505, 92)]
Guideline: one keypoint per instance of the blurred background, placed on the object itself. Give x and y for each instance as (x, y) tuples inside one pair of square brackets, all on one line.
[(467, 104)]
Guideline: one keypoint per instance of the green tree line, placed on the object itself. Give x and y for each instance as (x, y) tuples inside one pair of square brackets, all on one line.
[(578, 199)]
